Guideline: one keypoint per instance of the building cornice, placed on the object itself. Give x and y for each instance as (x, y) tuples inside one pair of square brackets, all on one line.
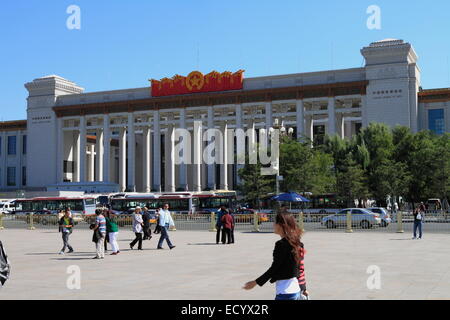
[(434, 95), (16, 125), (215, 98)]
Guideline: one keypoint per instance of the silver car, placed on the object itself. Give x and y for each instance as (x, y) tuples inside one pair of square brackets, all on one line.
[(384, 215), (360, 218)]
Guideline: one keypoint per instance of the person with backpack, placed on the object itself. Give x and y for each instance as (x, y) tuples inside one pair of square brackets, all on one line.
[(285, 268), (65, 227)]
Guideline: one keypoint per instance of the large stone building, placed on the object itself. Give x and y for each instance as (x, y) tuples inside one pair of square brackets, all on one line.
[(121, 137)]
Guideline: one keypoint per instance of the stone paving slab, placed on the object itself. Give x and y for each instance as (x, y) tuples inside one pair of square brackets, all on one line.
[(336, 265)]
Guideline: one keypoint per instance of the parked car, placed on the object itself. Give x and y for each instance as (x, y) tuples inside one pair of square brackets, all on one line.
[(360, 218), (384, 215), (246, 216)]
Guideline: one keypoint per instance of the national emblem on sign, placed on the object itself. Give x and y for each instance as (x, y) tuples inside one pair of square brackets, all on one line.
[(197, 82)]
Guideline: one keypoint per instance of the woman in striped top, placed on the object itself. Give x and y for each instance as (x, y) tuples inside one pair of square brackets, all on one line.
[(286, 267)]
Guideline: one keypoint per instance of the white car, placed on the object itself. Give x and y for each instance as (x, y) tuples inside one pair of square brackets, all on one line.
[(360, 218)]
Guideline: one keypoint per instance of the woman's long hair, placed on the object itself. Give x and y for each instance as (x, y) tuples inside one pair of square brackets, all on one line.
[(291, 231)]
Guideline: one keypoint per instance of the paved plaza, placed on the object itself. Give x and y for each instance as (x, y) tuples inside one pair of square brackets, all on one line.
[(336, 266)]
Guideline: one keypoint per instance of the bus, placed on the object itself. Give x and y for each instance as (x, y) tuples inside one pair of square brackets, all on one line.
[(179, 202), (211, 201), (78, 205)]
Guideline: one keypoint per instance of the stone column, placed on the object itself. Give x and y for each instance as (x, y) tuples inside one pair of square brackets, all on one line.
[(300, 115), (331, 116), (170, 159), (99, 156), (269, 120), (197, 156), (211, 167), (240, 149), (183, 166), (82, 149), (122, 159), (146, 159), (156, 152), (76, 156), (224, 157), (131, 184), (309, 132), (106, 156), (60, 151), (91, 177), (340, 125)]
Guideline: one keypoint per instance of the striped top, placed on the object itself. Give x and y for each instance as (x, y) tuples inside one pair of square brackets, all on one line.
[(100, 221), (301, 278)]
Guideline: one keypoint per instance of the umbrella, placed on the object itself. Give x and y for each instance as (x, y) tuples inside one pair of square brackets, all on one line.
[(290, 197)]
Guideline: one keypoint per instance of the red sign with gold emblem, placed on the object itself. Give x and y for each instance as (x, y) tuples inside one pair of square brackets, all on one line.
[(197, 82)]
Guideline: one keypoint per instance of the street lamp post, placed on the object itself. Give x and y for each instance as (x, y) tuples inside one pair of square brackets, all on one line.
[(283, 132)]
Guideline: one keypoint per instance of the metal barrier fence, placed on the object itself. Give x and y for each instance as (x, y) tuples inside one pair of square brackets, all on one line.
[(438, 222)]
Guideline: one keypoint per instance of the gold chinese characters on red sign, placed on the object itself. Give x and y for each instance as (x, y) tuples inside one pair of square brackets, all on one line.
[(197, 82)]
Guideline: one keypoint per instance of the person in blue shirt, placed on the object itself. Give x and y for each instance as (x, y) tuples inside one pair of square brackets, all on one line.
[(165, 221)]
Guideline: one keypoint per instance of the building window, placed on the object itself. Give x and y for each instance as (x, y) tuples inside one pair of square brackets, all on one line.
[(24, 176), (11, 177), (436, 121), (24, 144), (69, 166), (12, 145), (319, 135)]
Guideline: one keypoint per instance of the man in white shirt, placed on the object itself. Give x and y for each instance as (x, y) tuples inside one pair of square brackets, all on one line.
[(165, 221), (138, 224)]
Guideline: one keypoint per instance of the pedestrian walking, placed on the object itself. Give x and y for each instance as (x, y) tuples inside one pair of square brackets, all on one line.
[(99, 234), (227, 224), (146, 217), (219, 225), (65, 227), (165, 221), (418, 223), (138, 228), (284, 270), (112, 228)]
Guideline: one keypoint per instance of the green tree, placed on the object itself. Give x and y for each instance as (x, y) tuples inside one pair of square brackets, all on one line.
[(254, 186), (351, 182)]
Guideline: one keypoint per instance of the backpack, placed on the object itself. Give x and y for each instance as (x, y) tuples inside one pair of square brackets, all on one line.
[(4, 266)]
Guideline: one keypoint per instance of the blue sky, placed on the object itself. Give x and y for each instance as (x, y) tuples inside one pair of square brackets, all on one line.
[(122, 44)]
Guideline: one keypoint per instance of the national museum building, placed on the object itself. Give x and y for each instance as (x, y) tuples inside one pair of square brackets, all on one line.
[(120, 139)]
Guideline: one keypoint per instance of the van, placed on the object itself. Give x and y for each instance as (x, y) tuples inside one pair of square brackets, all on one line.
[(7, 207)]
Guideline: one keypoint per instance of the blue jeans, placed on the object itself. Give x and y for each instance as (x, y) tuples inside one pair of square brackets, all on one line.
[(164, 236), (418, 225), (293, 296)]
